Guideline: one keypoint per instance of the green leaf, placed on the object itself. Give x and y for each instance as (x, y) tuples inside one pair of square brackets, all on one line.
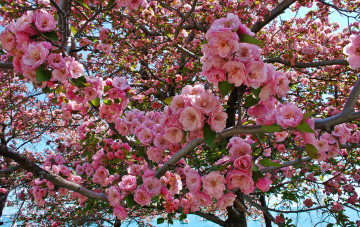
[(312, 151), (182, 216), (224, 87), (73, 30), (304, 127), (308, 114), (271, 128), (250, 101), (255, 167), (107, 102), (42, 74), (245, 38), (256, 175), (110, 3), (256, 92), (130, 201), (168, 100), (222, 168), (79, 82), (209, 135), (53, 36), (96, 102), (267, 163), (82, 3), (160, 221)]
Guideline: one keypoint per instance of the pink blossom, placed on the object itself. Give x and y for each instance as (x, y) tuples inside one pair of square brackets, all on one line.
[(173, 135), (214, 184), (240, 179), (145, 136), (114, 196), (337, 207), (191, 119), (56, 61), (203, 199), (152, 185), (226, 200), (74, 68), (289, 115), (263, 184), (45, 22), (134, 4), (324, 166), (142, 197), (8, 40), (215, 75), (177, 103), (120, 212), (247, 52), (238, 150), (353, 51), (280, 136), (193, 181), (222, 42), (231, 22), (35, 55), (217, 120), (236, 72), (255, 74), (128, 183), (155, 154), (205, 102), (308, 203), (161, 142), (259, 110), (243, 162)]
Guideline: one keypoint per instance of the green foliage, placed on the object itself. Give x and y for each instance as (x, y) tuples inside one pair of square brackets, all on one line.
[(42, 74), (209, 135)]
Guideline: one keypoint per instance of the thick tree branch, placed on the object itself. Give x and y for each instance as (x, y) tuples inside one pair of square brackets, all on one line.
[(29, 166), (307, 64), (6, 65), (285, 164), (273, 14), (258, 206), (9, 170), (210, 217)]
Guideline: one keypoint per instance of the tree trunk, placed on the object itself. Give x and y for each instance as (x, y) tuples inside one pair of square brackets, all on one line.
[(235, 218), (117, 223), (263, 203)]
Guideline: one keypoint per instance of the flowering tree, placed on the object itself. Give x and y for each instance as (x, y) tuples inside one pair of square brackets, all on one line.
[(117, 110)]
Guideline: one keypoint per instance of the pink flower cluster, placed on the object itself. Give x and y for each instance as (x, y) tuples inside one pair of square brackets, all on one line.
[(267, 113), (227, 58), (132, 4), (353, 51)]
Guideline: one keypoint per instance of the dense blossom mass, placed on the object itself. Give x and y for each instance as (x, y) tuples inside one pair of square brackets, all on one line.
[(169, 108)]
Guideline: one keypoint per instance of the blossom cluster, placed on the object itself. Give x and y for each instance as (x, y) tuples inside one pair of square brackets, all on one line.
[(228, 58), (353, 51)]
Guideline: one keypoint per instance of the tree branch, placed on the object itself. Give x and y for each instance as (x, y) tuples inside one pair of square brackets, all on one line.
[(258, 206), (298, 211), (273, 14), (29, 166), (6, 65), (285, 164), (307, 64), (210, 217), (9, 170)]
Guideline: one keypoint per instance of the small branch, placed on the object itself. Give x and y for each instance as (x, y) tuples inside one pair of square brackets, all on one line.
[(307, 64), (298, 211), (29, 166), (258, 206), (285, 164), (6, 65), (9, 170), (210, 217), (273, 14)]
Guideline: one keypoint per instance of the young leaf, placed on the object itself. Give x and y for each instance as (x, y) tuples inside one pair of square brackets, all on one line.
[(79, 82), (267, 162), (82, 3), (304, 127), (110, 3), (308, 114), (168, 100), (224, 87), (107, 102), (245, 38), (130, 201), (312, 151), (53, 36), (271, 128), (250, 101), (96, 102), (209, 135), (42, 74), (160, 221)]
